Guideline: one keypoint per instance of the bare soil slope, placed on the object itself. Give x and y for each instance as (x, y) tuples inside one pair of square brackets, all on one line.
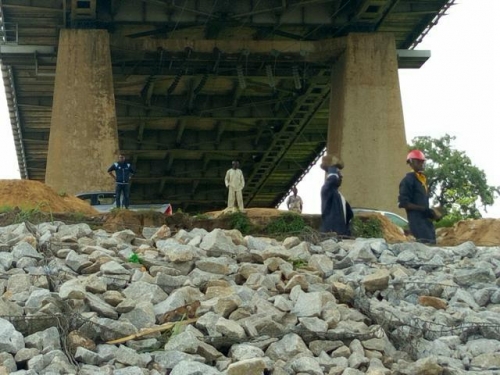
[(483, 232), (27, 194)]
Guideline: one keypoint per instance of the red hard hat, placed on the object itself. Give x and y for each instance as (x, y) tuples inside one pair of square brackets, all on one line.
[(415, 154)]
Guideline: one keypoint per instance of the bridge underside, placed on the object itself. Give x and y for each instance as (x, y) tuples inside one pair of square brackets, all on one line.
[(198, 84)]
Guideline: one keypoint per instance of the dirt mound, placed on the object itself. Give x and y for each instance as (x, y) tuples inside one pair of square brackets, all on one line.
[(28, 194), (483, 232), (251, 212), (118, 220)]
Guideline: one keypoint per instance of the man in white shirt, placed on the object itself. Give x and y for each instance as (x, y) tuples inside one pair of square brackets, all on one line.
[(235, 182), (294, 202)]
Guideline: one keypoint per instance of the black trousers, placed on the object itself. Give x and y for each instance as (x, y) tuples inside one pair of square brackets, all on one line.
[(421, 227), (125, 190)]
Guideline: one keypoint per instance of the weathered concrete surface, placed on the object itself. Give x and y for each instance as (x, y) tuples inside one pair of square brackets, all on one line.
[(366, 126), (83, 135)]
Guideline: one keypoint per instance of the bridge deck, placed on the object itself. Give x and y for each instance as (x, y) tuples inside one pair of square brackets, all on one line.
[(200, 83)]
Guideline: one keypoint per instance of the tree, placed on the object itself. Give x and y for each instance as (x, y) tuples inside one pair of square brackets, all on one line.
[(454, 182)]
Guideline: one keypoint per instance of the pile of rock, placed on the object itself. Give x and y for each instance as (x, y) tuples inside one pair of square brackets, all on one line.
[(262, 306)]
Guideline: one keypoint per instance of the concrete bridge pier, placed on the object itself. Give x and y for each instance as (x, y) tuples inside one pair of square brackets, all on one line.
[(83, 135), (366, 125)]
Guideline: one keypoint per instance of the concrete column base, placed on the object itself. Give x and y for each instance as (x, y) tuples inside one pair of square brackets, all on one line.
[(83, 134), (366, 125)]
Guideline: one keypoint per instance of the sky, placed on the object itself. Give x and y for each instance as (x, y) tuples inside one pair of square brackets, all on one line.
[(456, 92)]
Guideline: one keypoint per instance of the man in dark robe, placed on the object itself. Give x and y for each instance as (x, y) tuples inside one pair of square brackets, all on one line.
[(336, 212)]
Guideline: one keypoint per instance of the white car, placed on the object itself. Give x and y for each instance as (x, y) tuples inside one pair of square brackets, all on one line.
[(105, 201), (395, 218)]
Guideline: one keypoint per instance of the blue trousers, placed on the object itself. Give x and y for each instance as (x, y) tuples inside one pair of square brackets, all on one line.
[(125, 190)]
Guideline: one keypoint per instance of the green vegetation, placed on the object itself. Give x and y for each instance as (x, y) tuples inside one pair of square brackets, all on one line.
[(134, 258), (6, 209), (77, 217), (366, 227), (202, 216), (240, 221), (454, 182), (298, 263), (287, 223)]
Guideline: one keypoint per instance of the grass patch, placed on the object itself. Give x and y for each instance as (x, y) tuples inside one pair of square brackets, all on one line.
[(240, 221), (287, 223), (6, 209), (366, 227), (298, 263), (77, 217), (202, 217)]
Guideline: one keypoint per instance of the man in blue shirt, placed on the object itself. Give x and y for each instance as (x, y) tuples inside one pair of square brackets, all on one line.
[(123, 174)]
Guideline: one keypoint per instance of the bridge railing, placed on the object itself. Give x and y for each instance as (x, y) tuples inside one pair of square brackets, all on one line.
[(9, 33)]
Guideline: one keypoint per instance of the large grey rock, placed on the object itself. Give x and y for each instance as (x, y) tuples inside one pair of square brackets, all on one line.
[(467, 249), (36, 299), (25, 354), (166, 360), (253, 366), (308, 304), (486, 361), (306, 365), (124, 236), (314, 324), (19, 283), (54, 362), (6, 260), (145, 292), (300, 252), (73, 288), (230, 328), (45, 341), (180, 297), (178, 253), (258, 243), (287, 348), (482, 346), (322, 263), (217, 243), (193, 368), (86, 356), (240, 352), (98, 305), (378, 280), (169, 283), (8, 308), (74, 231), (129, 370), (77, 262), (361, 252), (110, 329), (130, 357), (462, 296), (469, 276), (214, 265), (141, 316), (427, 366), (114, 268), (7, 361), (25, 250)]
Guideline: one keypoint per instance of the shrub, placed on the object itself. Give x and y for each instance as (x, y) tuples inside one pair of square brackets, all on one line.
[(366, 227)]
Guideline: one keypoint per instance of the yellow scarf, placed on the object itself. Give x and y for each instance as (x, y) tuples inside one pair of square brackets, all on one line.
[(421, 177)]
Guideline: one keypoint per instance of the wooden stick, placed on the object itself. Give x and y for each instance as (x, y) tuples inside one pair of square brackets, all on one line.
[(147, 331)]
